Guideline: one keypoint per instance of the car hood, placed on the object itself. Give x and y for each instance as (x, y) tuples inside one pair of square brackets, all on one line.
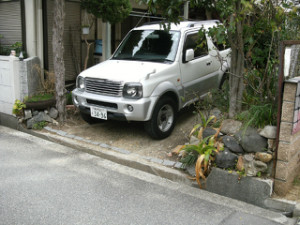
[(124, 70)]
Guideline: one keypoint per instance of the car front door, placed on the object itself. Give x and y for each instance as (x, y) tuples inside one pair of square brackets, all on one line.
[(199, 74)]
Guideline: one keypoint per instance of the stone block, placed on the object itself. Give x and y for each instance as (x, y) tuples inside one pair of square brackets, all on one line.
[(296, 212), (283, 151), (285, 131), (281, 170), (281, 188), (295, 143), (287, 114), (289, 92), (248, 189)]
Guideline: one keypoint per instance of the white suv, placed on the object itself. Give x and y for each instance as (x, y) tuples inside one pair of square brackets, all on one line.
[(152, 75)]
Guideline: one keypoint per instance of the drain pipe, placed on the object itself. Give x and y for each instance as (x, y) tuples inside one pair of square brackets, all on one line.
[(186, 10)]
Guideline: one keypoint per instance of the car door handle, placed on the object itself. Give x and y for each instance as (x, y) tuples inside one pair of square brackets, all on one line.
[(208, 63)]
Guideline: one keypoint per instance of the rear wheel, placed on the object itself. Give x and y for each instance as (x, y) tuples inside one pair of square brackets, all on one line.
[(163, 119)]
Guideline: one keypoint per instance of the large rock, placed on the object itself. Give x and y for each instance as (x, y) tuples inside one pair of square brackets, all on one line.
[(226, 159), (232, 144), (247, 189), (230, 126), (269, 132), (251, 141)]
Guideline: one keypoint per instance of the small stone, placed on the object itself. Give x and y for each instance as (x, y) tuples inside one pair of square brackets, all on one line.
[(53, 113), (191, 170), (194, 140), (240, 164), (264, 157), (269, 132), (177, 149), (169, 154), (35, 113), (232, 144), (272, 144), (208, 132), (230, 126), (216, 112), (27, 114)]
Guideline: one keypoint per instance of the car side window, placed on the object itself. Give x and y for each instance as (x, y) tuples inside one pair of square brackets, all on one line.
[(197, 43)]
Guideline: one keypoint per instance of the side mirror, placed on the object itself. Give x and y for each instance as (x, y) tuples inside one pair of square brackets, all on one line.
[(189, 55)]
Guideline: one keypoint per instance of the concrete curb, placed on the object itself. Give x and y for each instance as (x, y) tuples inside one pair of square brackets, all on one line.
[(163, 168)]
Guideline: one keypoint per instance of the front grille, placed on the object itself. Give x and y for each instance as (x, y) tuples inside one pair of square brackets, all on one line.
[(104, 87), (103, 104)]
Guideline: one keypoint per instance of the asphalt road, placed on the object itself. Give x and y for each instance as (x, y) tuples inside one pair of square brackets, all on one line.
[(45, 183)]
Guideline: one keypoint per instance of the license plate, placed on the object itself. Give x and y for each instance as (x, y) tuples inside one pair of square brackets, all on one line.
[(99, 113)]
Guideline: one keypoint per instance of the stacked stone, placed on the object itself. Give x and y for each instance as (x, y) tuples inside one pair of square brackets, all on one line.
[(33, 117), (245, 149)]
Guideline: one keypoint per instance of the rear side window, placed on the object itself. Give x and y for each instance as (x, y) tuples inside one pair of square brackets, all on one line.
[(197, 43)]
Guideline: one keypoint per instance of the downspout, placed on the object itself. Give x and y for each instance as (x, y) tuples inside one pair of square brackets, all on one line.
[(39, 32), (108, 40), (186, 10)]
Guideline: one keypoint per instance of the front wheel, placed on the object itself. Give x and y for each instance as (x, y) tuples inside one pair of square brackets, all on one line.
[(163, 119)]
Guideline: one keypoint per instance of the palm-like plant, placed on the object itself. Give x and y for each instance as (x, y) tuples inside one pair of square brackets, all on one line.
[(204, 152)]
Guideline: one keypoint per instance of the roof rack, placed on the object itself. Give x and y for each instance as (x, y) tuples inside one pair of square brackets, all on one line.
[(199, 23)]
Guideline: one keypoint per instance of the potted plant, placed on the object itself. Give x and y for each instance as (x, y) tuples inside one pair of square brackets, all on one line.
[(45, 97)]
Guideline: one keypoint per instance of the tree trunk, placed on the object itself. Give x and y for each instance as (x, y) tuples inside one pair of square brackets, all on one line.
[(58, 58), (236, 78)]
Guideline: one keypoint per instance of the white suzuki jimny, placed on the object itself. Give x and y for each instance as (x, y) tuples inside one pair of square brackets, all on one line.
[(151, 76)]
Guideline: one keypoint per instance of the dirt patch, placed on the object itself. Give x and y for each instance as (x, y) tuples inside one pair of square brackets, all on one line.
[(131, 135)]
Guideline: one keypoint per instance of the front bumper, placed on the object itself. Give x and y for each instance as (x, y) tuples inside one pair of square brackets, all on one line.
[(117, 107)]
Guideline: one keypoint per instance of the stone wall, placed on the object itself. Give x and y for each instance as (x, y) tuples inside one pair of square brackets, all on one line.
[(288, 155)]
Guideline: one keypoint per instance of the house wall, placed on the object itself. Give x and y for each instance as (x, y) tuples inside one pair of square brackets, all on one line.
[(288, 157), (9, 83), (17, 80)]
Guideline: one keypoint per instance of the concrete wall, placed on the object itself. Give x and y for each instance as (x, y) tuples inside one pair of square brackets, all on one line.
[(9, 83), (288, 158), (17, 80)]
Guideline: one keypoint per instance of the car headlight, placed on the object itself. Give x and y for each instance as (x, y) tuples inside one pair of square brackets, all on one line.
[(133, 90), (80, 83)]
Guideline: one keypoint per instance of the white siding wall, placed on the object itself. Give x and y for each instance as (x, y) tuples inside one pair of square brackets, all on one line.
[(9, 83)]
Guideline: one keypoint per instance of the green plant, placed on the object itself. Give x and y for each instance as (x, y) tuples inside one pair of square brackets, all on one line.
[(39, 97), (18, 108), (69, 98), (39, 125), (204, 123), (297, 181), (203, 153), (258, 116)]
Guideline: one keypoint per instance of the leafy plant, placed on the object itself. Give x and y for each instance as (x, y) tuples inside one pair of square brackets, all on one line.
[(203, 153), (39, 125), (18, 108), (258, 116)]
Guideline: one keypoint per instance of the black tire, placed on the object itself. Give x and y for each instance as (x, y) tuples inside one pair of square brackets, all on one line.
[(163, 119), (90, 120)]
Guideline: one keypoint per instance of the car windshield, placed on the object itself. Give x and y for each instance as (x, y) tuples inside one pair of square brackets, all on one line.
[(149, 45)]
